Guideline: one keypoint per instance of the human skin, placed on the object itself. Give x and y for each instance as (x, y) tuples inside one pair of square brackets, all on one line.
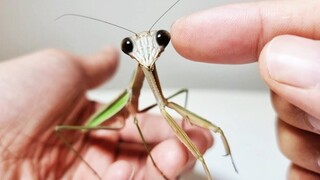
[(45, 89), (283, 37)]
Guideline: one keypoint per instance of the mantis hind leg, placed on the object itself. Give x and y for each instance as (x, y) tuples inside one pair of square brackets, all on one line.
[(201, 122), (136, 122), (181, 91)]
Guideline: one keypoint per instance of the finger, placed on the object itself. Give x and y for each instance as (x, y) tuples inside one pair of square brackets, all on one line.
[(101, 66), (291, 114), (120, 170), (290, 67), (298, 173), (63, 69), (200, 141), (156, 129), (153, 127), (172, 157), (301, 147), (237, 33)]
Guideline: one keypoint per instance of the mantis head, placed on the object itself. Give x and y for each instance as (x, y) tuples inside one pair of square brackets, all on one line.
[(146, 47)]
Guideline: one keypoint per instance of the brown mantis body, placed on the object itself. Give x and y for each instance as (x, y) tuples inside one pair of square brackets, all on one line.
[(146, 47)]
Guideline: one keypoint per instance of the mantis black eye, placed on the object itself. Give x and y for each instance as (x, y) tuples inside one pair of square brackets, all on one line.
[(163, 38), (126, 45)]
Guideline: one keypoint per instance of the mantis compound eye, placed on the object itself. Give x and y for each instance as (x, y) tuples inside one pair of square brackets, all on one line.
[(127, 45), (163, 38)]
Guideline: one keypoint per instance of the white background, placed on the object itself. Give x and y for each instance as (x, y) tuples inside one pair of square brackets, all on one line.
[(232, 96)]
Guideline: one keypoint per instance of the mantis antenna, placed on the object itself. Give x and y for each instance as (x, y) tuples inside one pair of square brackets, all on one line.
[(95, 19), (163, 14), (115, 25)]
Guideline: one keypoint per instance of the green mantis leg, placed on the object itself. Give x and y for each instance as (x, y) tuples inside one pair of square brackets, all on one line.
[(106, 113)]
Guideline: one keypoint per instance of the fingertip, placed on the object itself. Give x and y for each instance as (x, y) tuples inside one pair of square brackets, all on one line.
[(217, 35), (170, 156), (208, 137), (236, 33), (188, 39), (100, 66), (201, 139), (120, 170), (180, 37), (291, 60), (289, 65), (173, 158), (200, 133)]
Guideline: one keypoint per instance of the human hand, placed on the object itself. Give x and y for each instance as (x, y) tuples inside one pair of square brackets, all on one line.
[(46, 89), (283, 36)]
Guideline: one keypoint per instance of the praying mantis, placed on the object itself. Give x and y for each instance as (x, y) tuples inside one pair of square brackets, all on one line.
[(145, 48)]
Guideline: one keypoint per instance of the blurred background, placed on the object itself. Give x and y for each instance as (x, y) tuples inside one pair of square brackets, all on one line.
[(233, 96), (27, 26)]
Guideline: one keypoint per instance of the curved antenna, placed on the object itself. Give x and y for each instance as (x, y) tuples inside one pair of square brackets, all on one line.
[(99, 20), (163, 14)]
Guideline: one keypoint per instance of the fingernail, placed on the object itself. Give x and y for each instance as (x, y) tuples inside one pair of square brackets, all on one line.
[(294, 61), (314, 123)]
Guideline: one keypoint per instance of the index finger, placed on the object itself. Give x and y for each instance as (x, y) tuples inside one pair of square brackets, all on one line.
[(236, 34)]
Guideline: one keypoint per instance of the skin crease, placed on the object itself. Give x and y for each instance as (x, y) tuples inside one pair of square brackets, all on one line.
[(47, 88), (279, 34)]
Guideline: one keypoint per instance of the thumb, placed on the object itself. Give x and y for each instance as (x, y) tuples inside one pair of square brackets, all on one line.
[(290, 65), (100, 66)]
